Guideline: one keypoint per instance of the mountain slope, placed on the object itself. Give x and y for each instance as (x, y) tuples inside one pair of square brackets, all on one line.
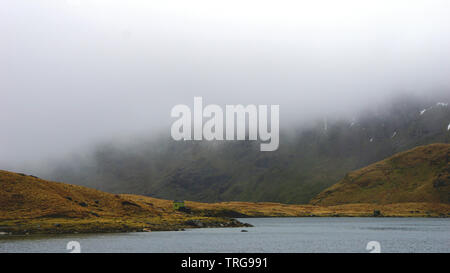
[(308, 161), (418, 175)]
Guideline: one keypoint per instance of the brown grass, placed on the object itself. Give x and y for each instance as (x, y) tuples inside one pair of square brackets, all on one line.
[(32, 205), (268, 209)]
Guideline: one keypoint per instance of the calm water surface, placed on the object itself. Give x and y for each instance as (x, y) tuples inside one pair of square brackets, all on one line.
[(268, 235)]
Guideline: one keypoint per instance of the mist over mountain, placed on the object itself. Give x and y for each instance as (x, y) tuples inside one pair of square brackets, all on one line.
[(74, 73), (88, 86), (311, 157)]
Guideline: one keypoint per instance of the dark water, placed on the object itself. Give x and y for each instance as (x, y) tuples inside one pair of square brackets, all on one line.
[(268, 235)]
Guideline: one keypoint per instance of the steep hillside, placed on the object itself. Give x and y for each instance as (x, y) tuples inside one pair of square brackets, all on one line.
[(418, 175), (308, 161)]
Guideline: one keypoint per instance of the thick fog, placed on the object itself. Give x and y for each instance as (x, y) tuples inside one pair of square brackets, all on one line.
[(73, 73)]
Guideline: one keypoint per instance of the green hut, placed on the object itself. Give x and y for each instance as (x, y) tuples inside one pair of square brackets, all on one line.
[(178, 204)]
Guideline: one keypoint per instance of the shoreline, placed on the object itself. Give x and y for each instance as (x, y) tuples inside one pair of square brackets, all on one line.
[(88, 226), (215, 216), (78, 226)]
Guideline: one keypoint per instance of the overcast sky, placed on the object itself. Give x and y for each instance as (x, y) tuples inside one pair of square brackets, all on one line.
[(76, 72)]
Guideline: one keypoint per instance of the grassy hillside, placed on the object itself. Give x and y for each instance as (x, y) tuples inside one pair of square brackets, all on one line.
[(32, 205), (33, 197), (418, 175)]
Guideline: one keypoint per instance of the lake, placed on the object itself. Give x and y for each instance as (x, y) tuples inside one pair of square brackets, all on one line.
[(268, 235)]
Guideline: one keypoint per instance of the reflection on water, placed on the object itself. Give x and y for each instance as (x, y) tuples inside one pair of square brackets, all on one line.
[(268, 235)]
